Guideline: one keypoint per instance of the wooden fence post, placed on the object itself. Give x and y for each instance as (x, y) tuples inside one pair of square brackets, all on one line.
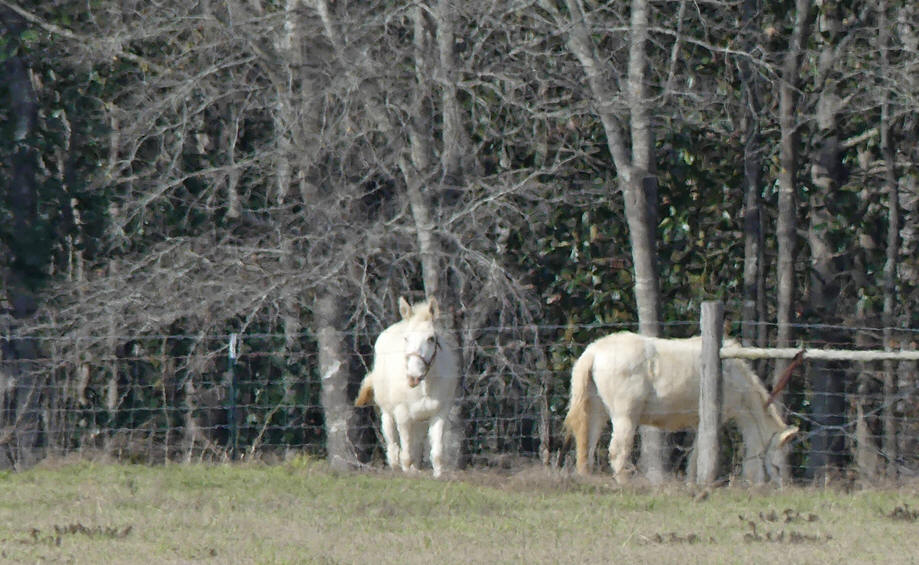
[(710, 393)]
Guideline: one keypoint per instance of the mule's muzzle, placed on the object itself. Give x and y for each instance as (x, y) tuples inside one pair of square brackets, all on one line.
[(417, 367)]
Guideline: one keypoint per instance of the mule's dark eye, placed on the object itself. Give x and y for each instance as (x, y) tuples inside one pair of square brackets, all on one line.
[(431, 339)]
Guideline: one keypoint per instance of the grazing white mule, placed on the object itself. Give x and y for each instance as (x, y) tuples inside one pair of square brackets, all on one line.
[(636, 380), (413, 381)]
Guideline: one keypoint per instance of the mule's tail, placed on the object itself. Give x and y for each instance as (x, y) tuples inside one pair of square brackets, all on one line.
[(365, 394), (577, 422)]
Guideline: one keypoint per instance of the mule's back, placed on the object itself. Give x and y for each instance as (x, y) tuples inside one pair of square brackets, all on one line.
[(655, 380), (673, 373)]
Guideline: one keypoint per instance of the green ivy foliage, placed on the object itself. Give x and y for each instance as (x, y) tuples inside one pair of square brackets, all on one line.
[(63, 151)]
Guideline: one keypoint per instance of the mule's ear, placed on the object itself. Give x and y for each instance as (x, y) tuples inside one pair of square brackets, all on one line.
[(405, 308), (786, 435), (433, 308)]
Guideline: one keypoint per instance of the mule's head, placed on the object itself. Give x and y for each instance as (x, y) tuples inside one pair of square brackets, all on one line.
[(421, 342), (765, 433), (776, 452)]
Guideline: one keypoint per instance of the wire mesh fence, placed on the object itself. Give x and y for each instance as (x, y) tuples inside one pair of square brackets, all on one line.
[(194, 397)]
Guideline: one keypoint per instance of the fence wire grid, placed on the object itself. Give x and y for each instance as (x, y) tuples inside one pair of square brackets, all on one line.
[(223, 397)]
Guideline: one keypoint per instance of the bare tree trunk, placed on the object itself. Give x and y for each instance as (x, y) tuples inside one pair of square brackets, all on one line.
[(865, 449), (454, 161), (641, 185), (635, 169), (286, 122), (111, 386), (907, 438), (191, 432), (416, 168), (907, 275), (828, 406), (828, 174), (422, 151), (754, 255), (229, 135), (785, 223), (891, 187), (428, 245), (455, 140), (333, 370), (299, 122), (284, 115)]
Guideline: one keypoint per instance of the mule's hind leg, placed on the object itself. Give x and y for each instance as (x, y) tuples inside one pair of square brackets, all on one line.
[(391, 439), (597, 418), (620, 445), (419, 432)]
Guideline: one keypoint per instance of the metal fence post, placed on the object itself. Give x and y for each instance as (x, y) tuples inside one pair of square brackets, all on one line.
[(232, 355)]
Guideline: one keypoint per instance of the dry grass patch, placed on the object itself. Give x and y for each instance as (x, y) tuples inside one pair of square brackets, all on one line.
[(302, 512)]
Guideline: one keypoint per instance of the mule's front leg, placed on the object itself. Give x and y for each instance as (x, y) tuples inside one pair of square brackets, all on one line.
[(406, 438), (436, 439), (392, 440)]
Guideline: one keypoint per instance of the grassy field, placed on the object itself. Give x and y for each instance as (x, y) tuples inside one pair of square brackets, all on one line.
[(301, 512)]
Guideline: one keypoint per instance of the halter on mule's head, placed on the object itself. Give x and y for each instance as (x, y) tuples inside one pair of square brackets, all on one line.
[(421, 343)]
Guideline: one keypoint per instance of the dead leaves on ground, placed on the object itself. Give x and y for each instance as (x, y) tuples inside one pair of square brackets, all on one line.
[(56, 533), (903, 513), (674, 538), (762, 528), (771, 526)]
